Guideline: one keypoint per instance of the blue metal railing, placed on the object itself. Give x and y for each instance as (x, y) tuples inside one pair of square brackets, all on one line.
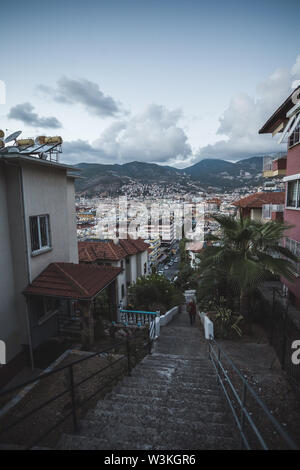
[(217, 356), (140, 317)]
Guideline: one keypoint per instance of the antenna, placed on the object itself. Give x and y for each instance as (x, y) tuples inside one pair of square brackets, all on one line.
[(12, 136)]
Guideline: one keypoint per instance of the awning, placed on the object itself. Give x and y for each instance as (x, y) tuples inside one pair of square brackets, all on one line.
[(75, 281)]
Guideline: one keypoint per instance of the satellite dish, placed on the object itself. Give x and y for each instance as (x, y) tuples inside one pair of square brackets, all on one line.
[(12, 136)]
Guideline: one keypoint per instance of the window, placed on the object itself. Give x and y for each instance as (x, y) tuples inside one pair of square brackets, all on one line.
[(39, 233), (295, 136), (122, 291), (293, 195)]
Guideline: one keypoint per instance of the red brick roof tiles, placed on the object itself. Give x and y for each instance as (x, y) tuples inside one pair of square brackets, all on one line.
[(257, 200), (108, 250), (76, 281), (93, 251)]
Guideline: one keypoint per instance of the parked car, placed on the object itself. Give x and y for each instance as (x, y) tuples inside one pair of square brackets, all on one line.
[(160, 272)]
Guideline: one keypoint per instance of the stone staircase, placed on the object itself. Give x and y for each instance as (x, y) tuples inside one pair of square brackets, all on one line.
[(170, 401)]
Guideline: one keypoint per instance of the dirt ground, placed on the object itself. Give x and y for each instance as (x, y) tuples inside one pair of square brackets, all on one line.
[(258, 362)]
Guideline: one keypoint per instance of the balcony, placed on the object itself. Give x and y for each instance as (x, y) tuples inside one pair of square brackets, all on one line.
[(274, 166), (272, 212)]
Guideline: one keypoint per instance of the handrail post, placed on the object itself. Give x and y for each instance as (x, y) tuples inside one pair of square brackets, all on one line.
[(219, 360), (73, 402), (128, 356), (242, 412)]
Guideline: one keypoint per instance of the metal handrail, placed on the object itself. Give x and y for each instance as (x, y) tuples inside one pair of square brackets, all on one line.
[(72, 386), (215, 357), (138, 312)]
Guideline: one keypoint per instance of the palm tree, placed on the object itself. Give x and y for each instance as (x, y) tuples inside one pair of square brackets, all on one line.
[(249, 252)]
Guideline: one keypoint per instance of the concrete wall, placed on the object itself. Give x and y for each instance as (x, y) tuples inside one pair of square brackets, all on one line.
[(19, 255), (73, 244), (9, 331), (168, 316), (47, 191), (143, 260), (133, 268), (121, 280), (293, 163), (139, 270), (256, 214)]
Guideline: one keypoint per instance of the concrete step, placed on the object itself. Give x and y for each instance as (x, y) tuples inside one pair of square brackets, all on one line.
[(169, 408), (79, 442), (117, 432), (173, 392), (165, 415), (137, 382), (157, 403)]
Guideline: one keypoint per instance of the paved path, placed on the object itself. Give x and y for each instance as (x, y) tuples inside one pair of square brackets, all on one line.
[(171, 401)]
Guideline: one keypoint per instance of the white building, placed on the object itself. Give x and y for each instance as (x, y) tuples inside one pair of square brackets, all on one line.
[(38, 227), (131, 255)]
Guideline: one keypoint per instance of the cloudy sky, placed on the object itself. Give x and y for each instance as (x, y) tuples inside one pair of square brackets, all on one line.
[(162, 81)]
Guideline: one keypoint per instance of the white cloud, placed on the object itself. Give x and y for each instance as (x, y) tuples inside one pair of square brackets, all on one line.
[(241, 121), (156, 135), (152, 136)]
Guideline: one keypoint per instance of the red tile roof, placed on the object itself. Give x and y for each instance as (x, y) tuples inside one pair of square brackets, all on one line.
[(93, 251), (76, 281), (108, 250), (133, 246), (257, 200)]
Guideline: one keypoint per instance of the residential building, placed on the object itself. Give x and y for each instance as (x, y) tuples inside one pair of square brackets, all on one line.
[(254, 205), (193, 249), (286, 122), (130, 255), (39, 256)]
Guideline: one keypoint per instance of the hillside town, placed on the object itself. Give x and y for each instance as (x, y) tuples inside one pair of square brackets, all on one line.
[(150, 232)]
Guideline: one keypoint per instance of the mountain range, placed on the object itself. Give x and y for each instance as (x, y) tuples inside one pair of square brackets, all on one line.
[(208, 173)]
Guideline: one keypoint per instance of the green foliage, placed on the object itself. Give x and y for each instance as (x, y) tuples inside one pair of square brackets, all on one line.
[(153, 293), (226, 324), (246, 254), (186, 276)]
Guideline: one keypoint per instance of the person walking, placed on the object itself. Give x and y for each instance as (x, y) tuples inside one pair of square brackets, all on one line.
[(192, 311)]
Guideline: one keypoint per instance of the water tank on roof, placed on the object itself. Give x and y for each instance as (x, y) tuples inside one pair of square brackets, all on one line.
[(25, 143)]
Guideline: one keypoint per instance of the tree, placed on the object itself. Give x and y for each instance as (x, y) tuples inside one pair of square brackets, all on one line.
[(248, 253), (153, 293)]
